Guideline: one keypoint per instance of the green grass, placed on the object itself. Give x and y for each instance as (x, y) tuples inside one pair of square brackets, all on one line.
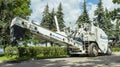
[(116, 49), (4, 58)]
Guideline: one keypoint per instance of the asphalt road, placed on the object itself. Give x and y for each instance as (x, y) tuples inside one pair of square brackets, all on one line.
[(81, 61)]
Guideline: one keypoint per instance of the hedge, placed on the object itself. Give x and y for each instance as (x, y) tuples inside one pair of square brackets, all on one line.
[(11, 51), (38, 52)]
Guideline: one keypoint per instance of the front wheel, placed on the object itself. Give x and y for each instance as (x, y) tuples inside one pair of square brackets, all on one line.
[(93, 50), (109, 50)]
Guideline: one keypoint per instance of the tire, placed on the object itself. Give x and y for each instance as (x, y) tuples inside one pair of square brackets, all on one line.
[(93, 50), (109, 50)]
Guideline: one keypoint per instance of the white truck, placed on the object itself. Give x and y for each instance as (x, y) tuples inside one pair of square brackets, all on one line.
[(88, 39)]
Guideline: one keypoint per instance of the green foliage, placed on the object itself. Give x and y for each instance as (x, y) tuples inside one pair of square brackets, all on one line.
[(21, 8), (4, 58), (8, 10), (107, 25), (24, 51), (103, 19), (60, 17), (114, 15), (52, 21), (11, 51), (48, 18), (116, 1), (99, 12), (99, 8), (45, 20), (84, 17), (42, 52), (35, 40)]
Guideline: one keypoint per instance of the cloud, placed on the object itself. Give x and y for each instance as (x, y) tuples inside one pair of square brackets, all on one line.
[(110, 5), (93, 7), (106, 3), (71, 9)]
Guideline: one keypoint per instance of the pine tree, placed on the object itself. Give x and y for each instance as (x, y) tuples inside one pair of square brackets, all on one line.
[(84, 17), (116, 1), (46, 17), (52, 20), (103, 19), (85, 14), (60, 17), (48, 21), (115, 15), (108, 25), (100, 15)]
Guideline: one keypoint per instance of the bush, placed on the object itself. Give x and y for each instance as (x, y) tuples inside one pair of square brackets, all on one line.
[(11, 51), (42, 52)]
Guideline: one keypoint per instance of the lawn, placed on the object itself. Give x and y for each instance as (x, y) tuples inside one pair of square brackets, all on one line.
[(4, 58), (116, 49)]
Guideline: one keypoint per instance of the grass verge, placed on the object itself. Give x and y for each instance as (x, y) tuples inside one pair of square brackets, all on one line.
[(14, 58), (4, 58), (116, 49)]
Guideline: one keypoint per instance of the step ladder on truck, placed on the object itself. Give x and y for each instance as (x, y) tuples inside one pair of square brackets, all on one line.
[(88, 39)]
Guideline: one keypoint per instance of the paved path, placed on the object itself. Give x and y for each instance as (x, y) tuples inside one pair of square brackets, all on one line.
[(100, 61)]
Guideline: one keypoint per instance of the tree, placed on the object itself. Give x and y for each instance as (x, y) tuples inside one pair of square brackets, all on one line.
[(116, 1), (60, 17), (99, 12), (102, 16), (114, 15), (108, 25), (35, 40), (48, 21), (8, 10), (104, 20), (46, 17), (52, 21), (84, 17)]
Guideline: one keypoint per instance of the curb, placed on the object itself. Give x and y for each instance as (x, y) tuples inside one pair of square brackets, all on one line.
[(116, 53), (1, 61)]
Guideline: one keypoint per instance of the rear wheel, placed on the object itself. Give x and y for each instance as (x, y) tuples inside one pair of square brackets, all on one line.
[(93, 50)]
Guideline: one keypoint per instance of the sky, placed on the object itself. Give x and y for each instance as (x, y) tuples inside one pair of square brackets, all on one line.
[(71, 8), (93, 1)]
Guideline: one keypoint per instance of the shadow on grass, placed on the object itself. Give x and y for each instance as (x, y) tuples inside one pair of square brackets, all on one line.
[(1, 55), (22, 59)]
